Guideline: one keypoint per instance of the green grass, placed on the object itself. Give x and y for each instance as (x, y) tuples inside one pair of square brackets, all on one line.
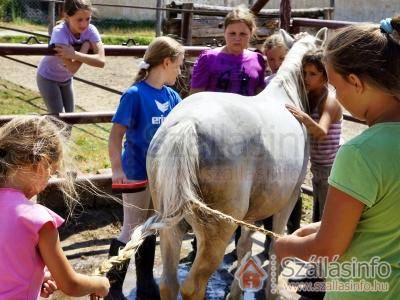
[(89, 142), (107, 39), (19, 39), (307, 208), (25, 25), (113, 31)]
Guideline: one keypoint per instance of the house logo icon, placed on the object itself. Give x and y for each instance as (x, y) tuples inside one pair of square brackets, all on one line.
[(250, 274)]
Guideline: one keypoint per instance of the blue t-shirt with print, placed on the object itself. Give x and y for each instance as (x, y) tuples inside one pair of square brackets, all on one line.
[(142, 109)]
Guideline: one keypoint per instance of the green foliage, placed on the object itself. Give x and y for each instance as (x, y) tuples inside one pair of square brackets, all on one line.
[(11, 8), (122, 25), (118, 40)]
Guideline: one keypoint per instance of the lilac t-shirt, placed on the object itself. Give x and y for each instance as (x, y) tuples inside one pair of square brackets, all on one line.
[(218, 71), (51, 67), (21, 266)]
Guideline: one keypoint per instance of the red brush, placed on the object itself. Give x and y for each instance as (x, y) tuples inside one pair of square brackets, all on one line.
[(132, 187)]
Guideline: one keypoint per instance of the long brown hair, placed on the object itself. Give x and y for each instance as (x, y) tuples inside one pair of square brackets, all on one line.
[(161, 48), (368, 52)]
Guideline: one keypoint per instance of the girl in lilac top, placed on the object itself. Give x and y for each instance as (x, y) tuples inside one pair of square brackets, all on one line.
[(54, 75), (231, 68), (31, 150)]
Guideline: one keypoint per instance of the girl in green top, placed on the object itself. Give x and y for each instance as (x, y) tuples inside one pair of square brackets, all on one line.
[(360, 228)]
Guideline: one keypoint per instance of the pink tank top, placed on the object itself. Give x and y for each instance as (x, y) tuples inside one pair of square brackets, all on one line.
[(21, 266), (323, 151)]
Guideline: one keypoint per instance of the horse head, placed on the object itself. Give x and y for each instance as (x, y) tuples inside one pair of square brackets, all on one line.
[(290, 74)]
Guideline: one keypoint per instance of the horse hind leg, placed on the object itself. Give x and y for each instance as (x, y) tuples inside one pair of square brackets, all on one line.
[(170, 243), (274, 267), (211, 244), (242, 248)]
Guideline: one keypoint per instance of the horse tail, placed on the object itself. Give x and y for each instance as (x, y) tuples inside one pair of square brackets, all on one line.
[(175, 169), (174, 158)]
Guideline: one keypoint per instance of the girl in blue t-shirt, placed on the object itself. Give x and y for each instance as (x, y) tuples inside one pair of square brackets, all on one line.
[(140, 113), (360, 221), (54, 75)]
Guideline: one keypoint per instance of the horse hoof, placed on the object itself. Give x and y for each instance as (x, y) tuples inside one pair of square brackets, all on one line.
[(115, 294), (229, 297)]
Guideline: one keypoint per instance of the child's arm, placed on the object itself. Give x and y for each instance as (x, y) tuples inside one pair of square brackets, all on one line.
[(68, 281), (341, 216), (115, 149), (331, 113), (95, 60), (74, 65)]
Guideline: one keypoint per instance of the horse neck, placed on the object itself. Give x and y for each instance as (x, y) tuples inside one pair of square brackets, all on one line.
[(290, 75)]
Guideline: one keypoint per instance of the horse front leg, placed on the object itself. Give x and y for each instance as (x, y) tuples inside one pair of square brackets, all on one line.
[(212, 240), (170, 244)]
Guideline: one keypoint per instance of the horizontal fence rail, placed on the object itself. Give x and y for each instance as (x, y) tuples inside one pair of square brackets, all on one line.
[(105, 117), (222, 11), (104, 181), (110, 50), (318, 23)]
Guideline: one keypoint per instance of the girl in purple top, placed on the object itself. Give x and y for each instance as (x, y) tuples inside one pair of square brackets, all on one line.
[(231, 68), (54, 75), (31, 150)]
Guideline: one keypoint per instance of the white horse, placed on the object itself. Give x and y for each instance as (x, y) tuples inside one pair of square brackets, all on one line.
[(243, 156)]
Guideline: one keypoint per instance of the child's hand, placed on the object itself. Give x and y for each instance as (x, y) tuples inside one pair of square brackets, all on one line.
[(49, 286), (65, 52), (103, 286), (118, 176), (297, 113), (307, 229)]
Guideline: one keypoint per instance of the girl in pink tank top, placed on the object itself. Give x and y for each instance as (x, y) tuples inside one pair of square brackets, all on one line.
[(31, 150)]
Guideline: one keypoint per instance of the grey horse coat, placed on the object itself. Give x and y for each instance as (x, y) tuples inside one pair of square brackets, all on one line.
[(243, 156)]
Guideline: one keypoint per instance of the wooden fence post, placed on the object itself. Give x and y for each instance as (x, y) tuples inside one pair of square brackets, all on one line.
[(285, 14), (186, 26), (158, 18), (256, 7), (52, 16)]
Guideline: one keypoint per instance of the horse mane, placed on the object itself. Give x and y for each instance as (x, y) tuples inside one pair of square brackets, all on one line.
[(290, 74)]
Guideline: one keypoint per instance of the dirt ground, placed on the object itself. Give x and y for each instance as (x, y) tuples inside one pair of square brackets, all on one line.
[(86, 237)]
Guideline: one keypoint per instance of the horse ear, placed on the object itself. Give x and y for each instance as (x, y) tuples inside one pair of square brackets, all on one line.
[(287, 39), (321, 36)]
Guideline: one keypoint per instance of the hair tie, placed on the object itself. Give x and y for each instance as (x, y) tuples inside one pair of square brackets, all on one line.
[(143, 65), (386, 26)]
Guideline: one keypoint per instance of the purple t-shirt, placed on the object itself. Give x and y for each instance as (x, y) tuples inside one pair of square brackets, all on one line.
[(218, 71), (51, 67), (21, 266)]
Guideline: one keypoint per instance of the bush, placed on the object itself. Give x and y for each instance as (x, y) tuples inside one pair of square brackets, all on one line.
[(11, 9)]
